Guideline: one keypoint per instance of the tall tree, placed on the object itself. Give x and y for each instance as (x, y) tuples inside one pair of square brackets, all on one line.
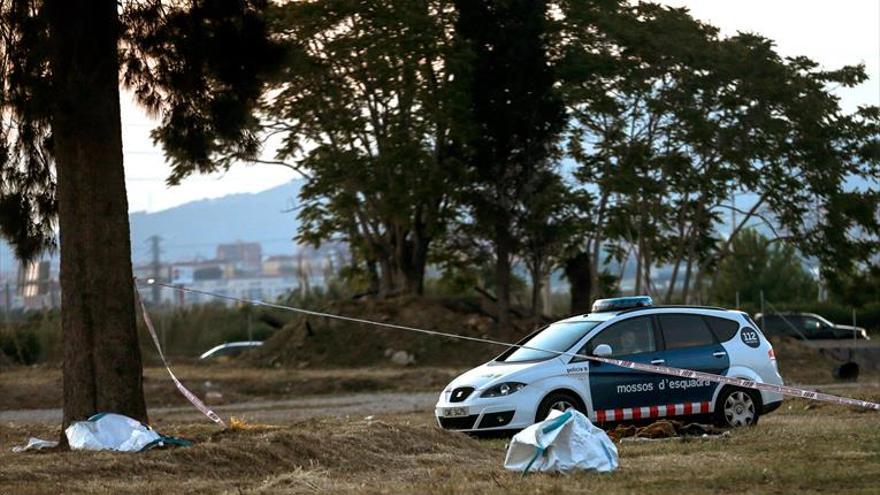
[(670, 119), (102, 364), (59, 101), (514, 117), (858, 287), (758, 264), (366, 110), (551, 215)]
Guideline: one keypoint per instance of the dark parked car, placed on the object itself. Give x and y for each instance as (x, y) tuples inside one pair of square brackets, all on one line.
[(806, 326)]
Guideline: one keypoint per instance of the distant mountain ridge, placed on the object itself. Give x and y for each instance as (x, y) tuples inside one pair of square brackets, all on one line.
[(194, 229)]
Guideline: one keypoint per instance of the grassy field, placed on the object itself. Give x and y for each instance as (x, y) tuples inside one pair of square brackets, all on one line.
[(802, 448)]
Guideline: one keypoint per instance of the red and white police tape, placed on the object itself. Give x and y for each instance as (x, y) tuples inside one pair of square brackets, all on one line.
[(650, 368), (183, 390)]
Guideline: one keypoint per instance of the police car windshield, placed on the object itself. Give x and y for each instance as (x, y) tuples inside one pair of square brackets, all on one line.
[(559, 337)]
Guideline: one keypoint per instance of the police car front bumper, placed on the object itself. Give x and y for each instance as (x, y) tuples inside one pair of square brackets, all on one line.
[(512, 412)]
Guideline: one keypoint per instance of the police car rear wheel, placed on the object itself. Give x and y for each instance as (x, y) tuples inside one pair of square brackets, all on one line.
[(561, 401), (736, 407)]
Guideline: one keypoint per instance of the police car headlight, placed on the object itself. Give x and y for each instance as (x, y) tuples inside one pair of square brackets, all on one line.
[(503, 389)]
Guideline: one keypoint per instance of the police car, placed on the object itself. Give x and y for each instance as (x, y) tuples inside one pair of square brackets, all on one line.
[(522, 385)]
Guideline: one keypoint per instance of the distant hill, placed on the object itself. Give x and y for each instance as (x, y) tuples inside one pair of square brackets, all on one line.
[(194, 229)]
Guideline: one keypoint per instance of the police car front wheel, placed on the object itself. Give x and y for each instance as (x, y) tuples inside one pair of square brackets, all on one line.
[(737, 407), (561, 401)]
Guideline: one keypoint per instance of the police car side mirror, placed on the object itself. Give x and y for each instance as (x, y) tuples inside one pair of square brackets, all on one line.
[(602, 350)]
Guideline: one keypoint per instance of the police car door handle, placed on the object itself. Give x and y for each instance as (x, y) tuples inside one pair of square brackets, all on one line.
[(658, 361), (719, 354)]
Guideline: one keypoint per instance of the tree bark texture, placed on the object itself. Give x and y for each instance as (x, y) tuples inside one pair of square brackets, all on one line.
[(102, 361)]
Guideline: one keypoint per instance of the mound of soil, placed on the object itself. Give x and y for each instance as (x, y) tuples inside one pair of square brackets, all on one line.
[(323, 342), (267, 459), (664, 428)]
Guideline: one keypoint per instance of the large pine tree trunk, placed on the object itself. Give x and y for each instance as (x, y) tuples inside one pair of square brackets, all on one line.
[(102, 361)]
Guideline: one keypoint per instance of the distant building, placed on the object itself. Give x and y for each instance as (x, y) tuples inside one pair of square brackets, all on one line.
[(281, 265), (38, 285), (246, 256), (238, 270), (258, 288)]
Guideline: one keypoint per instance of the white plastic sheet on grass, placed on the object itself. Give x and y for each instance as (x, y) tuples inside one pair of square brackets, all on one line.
[(35, 444), (109, 431), (564, 442)]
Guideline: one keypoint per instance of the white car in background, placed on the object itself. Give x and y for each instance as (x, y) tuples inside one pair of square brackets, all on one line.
[(229, 349), (521, 386)]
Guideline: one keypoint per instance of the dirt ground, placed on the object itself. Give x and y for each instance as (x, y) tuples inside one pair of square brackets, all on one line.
[(40, 387)]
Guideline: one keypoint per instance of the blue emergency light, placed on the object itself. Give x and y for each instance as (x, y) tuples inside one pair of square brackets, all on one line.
[(621, 303)]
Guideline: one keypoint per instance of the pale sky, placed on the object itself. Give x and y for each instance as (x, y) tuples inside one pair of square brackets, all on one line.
[(834, 33)]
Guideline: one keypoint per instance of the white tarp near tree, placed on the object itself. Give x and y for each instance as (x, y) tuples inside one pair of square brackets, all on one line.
[(108, 431)]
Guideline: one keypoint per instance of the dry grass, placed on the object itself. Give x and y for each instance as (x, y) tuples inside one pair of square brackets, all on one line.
[(805, 447), (799, 449)]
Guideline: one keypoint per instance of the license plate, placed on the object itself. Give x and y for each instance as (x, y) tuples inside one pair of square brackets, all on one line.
[(455, 412)]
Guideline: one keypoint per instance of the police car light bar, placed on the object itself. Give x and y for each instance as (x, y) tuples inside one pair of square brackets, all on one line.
[(621, 303)]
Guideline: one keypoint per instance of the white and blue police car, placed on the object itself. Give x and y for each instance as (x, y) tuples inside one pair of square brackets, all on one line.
[(522, 385)]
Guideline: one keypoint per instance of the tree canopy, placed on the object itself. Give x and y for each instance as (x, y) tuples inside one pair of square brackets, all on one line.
[(599, 137), (365, 108), (584, 135), (511, 123), (670, 120), (199, 66), (757, 264)]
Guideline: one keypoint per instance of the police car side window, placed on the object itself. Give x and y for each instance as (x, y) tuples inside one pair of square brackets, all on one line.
[(723, 328), (684, 330), (630, 336)]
